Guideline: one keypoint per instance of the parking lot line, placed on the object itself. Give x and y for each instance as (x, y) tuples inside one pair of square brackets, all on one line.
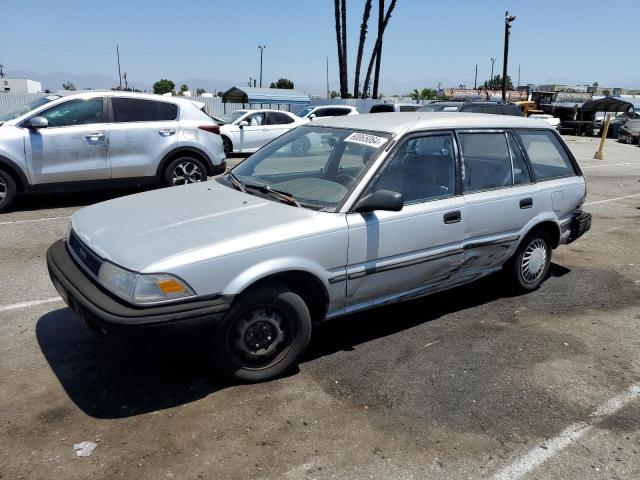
[(32, 303), (610, 165), (612, 199), (543, 452), (44, 219)]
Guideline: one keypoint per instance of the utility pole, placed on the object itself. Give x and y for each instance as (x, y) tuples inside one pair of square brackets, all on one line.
[(261, 47), (493, 60), (124, 76), (328, 92), (1, 72), (518, 76), (507, 32), (475, 82), (119, 74)]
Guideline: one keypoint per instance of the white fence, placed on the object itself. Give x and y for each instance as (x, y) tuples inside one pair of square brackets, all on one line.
[(213, 105)]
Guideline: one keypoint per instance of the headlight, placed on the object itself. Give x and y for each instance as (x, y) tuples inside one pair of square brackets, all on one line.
[(142, 288)]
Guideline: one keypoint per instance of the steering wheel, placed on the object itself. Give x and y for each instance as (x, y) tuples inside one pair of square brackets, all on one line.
[(346, 180)]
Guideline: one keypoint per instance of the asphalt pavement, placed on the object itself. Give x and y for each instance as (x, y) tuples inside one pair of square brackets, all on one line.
[(469, 383)]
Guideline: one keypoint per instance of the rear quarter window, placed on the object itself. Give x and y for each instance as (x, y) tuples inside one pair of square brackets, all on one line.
[(547, 157), (381, 108)]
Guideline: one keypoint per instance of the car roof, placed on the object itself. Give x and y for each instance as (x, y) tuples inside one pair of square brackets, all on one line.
[(397, 122), (140, 95)]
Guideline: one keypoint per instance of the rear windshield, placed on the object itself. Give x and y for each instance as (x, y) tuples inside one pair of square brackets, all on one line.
[(440, 107), (381, 108)]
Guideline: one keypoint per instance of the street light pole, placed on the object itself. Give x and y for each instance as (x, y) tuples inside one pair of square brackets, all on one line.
[(493, 60), (507, 31), (261, 47)]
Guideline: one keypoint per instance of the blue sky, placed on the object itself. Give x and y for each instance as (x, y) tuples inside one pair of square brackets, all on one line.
[(426, 42)]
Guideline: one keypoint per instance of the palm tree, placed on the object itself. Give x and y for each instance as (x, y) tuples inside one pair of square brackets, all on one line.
[(336, 5), (363, 36), (340, 10), (377, 49), (376, 76)]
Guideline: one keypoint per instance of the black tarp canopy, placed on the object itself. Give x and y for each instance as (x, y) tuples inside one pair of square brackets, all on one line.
[(606, 104)]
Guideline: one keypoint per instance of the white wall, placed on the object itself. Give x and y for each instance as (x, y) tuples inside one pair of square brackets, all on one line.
[(19, 85)]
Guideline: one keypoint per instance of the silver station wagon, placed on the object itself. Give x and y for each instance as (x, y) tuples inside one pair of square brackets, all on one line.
[(381, 208)]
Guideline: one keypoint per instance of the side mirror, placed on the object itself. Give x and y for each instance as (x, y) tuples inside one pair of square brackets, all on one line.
[(38, 122), (243, 124), (312, 116), (380, 200)]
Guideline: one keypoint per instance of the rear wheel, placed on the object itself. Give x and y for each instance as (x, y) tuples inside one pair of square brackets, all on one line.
[(7, 190), (265, 333), (185, 170), (530, 265)]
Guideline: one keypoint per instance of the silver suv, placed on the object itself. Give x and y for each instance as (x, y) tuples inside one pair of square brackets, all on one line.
[(382, 208), (99, 139)]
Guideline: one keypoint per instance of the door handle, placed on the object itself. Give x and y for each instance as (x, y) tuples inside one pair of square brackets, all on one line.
[(95, 136), (166, 132), (452, 217), (526, 203)]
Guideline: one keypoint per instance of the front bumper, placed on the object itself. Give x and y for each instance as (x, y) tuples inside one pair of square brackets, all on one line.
[(104, 312)]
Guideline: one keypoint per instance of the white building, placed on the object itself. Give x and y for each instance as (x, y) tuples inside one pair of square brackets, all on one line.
[(20, 85)]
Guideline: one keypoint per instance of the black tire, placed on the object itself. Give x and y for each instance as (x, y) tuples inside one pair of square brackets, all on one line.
[(227, 146), (183, 171), (529, 266), (258, 316), (8, 190)]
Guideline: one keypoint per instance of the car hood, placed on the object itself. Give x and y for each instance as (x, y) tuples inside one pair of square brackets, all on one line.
[(140, 231)]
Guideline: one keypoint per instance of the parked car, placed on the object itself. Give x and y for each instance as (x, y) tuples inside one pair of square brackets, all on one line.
[(245, 131), (494, 108), (282, 242), (629, 132), (394, 107), (327, 111), (104, 139), (550, 119)]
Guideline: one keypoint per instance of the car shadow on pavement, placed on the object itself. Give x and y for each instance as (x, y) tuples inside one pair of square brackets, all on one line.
[(72, 199), (126, 376)]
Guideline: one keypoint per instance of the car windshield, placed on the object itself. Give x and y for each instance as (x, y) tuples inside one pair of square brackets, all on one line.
[(440, 107), (317, 166), (26, 108), (233, 116), (302, 113)]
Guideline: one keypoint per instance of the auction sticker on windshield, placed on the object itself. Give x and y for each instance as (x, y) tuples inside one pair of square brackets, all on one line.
[(366, 139)]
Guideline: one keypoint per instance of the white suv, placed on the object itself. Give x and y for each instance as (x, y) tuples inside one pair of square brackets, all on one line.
[(99, 139)]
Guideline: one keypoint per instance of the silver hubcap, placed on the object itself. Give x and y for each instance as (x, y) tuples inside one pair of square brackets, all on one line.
[(186, 172), (534, 260), (3, 189), (258, 335)]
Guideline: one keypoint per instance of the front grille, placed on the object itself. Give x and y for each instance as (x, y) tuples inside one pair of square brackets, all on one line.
[(83, 255)]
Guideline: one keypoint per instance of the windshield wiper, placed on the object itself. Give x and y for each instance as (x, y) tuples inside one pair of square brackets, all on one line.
[(284, 196), (235, 181)]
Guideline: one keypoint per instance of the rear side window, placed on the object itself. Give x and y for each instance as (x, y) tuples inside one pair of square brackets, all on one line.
[(547, 157), (337, 112), (139, 110), (381, 108), (493, 109), (510, 110), (409, 108), (469, 109), (277, 118), (486, 161)]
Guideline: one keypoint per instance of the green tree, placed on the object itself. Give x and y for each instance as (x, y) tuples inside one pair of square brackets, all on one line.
[(163, 86), (282, 83), (415, 95), (200, 91), (183, 88), (606, 92), (428, 94), (496, 83), (69, 86), (334, 94)]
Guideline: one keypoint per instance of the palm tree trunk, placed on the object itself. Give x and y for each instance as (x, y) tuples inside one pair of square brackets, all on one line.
[(376, 76), (344, 79), (378, 46), (363, 37), (336, 5)]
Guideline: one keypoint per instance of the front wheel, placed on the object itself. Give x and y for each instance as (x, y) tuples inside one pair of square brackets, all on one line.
[(530, 265), (183, 171), (7, 190), (265, 333)]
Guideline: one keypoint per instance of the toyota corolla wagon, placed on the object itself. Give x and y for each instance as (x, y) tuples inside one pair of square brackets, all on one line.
[(387, 207)]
